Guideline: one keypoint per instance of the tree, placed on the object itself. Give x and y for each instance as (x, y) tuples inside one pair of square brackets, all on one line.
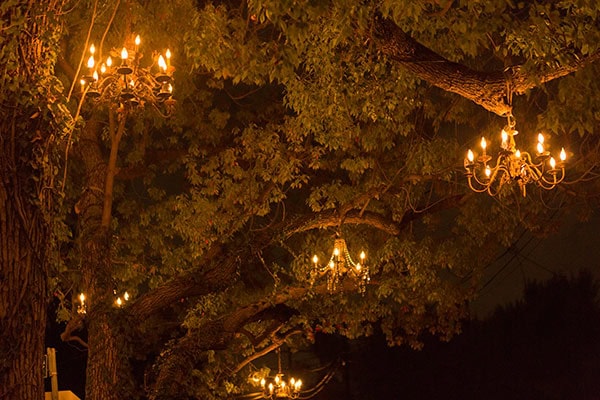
[(33, 124), (301, 121)]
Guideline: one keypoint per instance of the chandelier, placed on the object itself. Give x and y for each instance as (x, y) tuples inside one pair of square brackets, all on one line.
[(129, 83), (513, 165), (277, 388), (340, 265)]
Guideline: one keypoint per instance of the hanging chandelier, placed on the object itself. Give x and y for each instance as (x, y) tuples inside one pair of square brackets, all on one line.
[(276, 387), (341, 265), (129, 83), (513, 165)]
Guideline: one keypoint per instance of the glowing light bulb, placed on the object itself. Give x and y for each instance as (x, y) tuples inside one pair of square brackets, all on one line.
[(126, 296), (362, 255), (95, 76), (563, 154), (504, 135), (292, 382), (277, 379), (315, 259), (91, 62), (82, 298), (138, 40), (119, 302), (298, 384), (518, 154), (124, 54), (109, 62), (92, 49), (552, 163), (162, 64), (358, 267), (488, 171), (271, 388), (331, 264), (103, 69), (483, 143), (263, 382), (541, 138), (168, 55), (336, 251), (470, 156), (170, 88), (540, 148)]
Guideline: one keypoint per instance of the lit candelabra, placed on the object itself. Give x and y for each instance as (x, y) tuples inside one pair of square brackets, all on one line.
[(129, 83), (340, 265), (513, 165), (276, 387)]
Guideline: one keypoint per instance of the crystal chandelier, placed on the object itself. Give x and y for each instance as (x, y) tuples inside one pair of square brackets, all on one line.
[(513, 165), (277, 388), (340, 265), (129, 83)]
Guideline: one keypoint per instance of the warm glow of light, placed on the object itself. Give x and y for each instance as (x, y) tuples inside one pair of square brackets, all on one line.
[(292, 382), (168, 55), (103, 69), (540, 147), (488, 171), (82, 81), (315, 259), (331, 264), (137, 40), (277, 379), (124, 54), (563, 154), (358, 267), (552, 163), (263, 382), (170, 88), (271, 388), (91, 62), (298, 384), (470, 156), (504, 135), (162, 64), (132, 83), (336, 251), (82, 298), (95, 75), (109, 62), (126, 296), (362, 255), (92, 49), (483, 143), (518, 154), (540, 138), (119, 302)]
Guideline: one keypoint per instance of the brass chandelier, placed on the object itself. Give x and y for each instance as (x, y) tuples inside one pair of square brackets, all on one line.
[(341, 265), (276, 387), (513, 165), (129, 83)]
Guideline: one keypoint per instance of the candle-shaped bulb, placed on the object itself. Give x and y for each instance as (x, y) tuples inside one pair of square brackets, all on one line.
[(488, 171), (518, 154), (362, 256), (563, 154), (95, 76), (483, 143), (504, 136), (91, 62), (358, 267), (552, 163), (82, 298), (138, 40), (92, 49), (162, 64), (470, 156), (540, 147), (315, 259), (126, 296), (168, 55), (331, 264), (109, 62), (102, 68), (124, 54), (540, 138), (119, 302), (263, 382), (336, 251)]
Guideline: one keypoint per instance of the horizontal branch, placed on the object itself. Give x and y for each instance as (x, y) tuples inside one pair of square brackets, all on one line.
[(488, 89)]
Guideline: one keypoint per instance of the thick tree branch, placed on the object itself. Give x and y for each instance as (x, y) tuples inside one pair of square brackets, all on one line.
[(488, 89)]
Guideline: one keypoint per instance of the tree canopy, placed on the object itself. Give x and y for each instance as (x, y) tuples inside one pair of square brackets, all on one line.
[(297, 122)]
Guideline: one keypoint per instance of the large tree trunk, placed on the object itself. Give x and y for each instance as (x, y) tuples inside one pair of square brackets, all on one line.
[(107, 371), (23, 295), (29, 120)]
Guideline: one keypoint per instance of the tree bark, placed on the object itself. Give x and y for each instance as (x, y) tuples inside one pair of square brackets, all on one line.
[(27, 138), (489, 89), (108, 372)]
